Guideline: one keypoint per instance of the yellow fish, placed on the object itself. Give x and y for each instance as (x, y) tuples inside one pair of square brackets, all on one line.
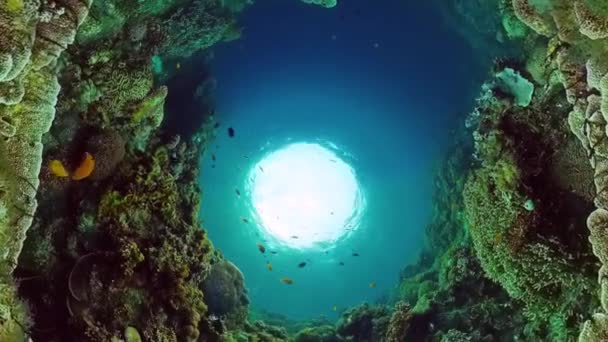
[(85, 168), (287, 281), (269, 267), (58, 169), (372, 285), (335, 308)]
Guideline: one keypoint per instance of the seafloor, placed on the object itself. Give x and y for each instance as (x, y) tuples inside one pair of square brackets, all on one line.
[(100, 237)]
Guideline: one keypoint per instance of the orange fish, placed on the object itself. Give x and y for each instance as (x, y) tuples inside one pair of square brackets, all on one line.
[(261, 248), (372, 285), (287, 281), (85, 168), (58, 169), (269, 267)]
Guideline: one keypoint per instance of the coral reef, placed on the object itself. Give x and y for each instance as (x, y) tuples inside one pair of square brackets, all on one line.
[(33, 37), (115, 250), (225, 290), (324, 3)]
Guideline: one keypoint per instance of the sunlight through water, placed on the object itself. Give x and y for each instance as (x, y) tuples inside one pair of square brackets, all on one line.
[(305, 196)]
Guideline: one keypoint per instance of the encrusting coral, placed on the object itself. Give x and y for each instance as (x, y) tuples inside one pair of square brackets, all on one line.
[(33, 37)]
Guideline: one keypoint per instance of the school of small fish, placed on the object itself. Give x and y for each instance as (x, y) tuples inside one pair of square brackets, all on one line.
[(58, 170)]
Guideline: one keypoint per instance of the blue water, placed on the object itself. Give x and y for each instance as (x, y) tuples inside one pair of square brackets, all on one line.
[(385, 83)]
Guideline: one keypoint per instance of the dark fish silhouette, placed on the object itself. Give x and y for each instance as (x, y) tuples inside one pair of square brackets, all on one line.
[(261, 248), (273, 252), (302, 264), (217, 124), (294, 236), (261, 169), (213, 157), (231, 132), (238, 193), (355, 254), (341, 263)]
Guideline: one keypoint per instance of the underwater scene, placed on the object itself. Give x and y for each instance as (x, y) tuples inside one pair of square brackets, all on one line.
[(303, 170)]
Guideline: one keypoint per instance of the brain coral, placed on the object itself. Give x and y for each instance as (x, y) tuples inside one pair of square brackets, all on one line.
[(224, 289), (108, 147)]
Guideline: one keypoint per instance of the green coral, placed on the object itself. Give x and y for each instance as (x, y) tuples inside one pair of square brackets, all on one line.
[(536, 273), (324, 333), (324, 3), (196, 27)]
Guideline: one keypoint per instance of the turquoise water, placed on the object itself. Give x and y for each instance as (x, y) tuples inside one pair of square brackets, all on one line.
[(375, 83)]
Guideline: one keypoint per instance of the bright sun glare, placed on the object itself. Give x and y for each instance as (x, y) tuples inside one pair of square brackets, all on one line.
[(304, 195)]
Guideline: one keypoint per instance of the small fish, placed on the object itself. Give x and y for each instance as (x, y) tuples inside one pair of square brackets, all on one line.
[(355, 254), (213, 157), (372, 285), (178, 66), (231, 132), (261, 248), (58, 169), (334, 308), (331, 213), (261, 168), (217, 124), (294, 236), (246, 157), (244, 219), (273, 252), (213, 166), (302, 264), (238, 193), (333, 160), (341, 263), (86, 167), (269, 266), (287, 281)]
